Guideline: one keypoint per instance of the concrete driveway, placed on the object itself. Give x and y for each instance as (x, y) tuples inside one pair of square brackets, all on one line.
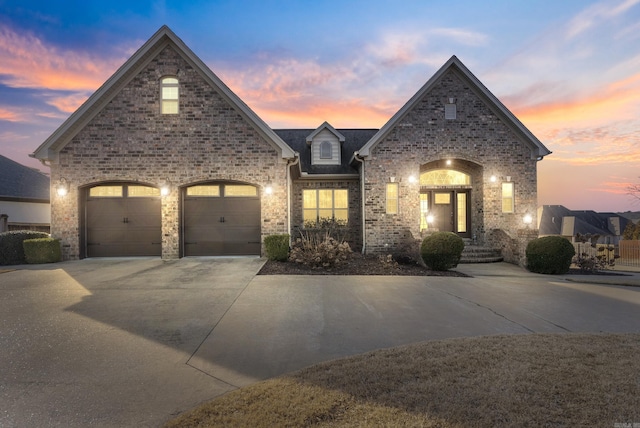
[(133, 342)]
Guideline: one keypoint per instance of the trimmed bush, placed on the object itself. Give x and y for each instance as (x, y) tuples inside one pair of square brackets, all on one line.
[(11, 249), (550, 255), (277, 247), (442, 250), (42, 250)]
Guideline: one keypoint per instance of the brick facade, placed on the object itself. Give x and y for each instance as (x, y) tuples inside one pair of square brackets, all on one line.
[(478, 142), (120, 135), (130, 141)]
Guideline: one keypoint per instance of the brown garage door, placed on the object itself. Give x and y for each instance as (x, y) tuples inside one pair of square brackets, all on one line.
[(221, 220), (123, 220)]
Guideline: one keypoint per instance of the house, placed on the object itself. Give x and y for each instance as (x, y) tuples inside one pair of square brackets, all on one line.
[(164, 159), (559, 220), (24, 198)]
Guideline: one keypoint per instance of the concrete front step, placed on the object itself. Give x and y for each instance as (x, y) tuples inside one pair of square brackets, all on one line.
[(478, 254)]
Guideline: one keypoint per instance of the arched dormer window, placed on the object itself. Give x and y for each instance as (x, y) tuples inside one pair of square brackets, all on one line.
[(326, 150), (169, 95)]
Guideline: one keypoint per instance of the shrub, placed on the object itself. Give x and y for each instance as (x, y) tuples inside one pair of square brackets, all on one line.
[(11, 249), (42, 250), (277, 247), (442, 250), (550, 254), (591, 256), (321, 245)]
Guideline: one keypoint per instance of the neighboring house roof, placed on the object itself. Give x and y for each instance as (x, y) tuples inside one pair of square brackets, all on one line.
[(21, 183), (354, 139), (538, 149), (162, 38), (586, 222)]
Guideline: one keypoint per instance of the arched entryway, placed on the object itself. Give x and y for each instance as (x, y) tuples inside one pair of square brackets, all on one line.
[(445, 200), (221, 219)]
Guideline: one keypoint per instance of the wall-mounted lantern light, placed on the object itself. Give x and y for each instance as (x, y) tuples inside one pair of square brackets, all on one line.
[(493, 179), (412, 179), (268, 188), (527, 219), (165, 188), (430, 219), (448, 162), (62, 188)]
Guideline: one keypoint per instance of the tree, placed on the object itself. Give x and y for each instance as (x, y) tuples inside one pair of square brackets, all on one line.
[(634, 190)]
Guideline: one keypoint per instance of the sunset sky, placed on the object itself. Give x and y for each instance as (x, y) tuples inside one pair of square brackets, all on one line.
[(568, 69)]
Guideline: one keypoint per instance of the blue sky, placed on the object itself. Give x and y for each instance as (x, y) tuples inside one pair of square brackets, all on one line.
[(570, 70)]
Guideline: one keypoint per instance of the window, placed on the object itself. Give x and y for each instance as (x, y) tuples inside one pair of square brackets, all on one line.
[(142, 191), (392, 198), (240, 190), (424, 211), (203, 190), (169, 95), (318, 204), (507, 198), (326, 151), (106, 192), (450, 111), (444, 177)]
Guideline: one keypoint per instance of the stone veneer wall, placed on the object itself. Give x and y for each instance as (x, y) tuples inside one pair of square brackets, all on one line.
[(130, 140), (355, 211), (477, 138)]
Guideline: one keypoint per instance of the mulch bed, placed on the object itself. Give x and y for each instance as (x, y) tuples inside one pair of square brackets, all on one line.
[(358, 265)]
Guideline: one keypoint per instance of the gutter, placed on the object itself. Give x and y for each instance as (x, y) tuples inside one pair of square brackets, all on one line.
[(290, 163), (357, 157)]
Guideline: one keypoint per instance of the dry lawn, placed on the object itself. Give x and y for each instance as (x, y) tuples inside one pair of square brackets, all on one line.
[(555, 380)]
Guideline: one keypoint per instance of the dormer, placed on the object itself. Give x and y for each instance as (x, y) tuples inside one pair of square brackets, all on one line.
[(326, 145)]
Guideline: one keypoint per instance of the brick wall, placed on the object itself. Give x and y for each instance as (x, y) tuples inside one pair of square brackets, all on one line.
[(129, 140), (477, 141)]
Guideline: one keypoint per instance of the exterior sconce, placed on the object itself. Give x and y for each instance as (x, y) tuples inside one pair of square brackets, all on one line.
[(412, 179), (62, 188), (527, 219), (392, 179), (508, 178), (430, 219), (268, 189), (448, 162), (165, 188), (493, 179)]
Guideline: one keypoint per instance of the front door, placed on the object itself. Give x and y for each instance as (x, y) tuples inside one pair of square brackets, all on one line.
[(446, 211)]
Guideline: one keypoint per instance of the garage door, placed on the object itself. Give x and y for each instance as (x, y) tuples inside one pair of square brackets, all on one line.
[(123, 220), (221, 219)]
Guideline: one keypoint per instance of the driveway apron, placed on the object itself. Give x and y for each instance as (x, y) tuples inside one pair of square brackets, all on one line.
[(133, 342)]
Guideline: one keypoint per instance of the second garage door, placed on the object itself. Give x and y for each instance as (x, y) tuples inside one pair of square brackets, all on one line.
[(221, 219)]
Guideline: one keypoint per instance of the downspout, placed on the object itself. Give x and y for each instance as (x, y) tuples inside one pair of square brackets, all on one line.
[(290, 163), (357, 157)]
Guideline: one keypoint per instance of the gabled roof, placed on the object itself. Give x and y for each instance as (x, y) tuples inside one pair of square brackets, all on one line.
[(354, 139), (321, 128), (18, 182), (96, 102), (586, 221), (538, 149)]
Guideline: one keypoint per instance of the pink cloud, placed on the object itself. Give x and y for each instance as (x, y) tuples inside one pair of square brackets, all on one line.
[(11, 115), (28, 62)]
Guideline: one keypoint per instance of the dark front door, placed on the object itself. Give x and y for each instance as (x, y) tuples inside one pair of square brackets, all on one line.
[(118, 226), (448, 209), (443, 213), (221, 220)]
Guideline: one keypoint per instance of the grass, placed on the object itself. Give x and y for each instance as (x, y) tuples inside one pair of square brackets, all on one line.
[(519, 380)]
